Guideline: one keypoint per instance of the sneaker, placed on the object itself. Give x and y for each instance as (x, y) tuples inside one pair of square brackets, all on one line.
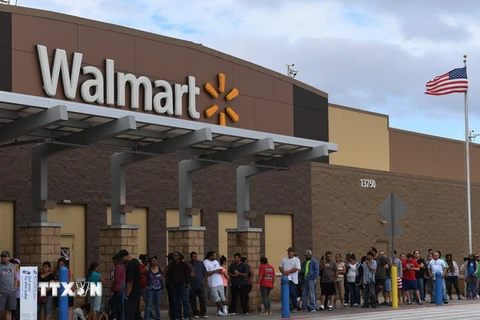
[(225, 310), (321, 308), (420, 303), (330, 308), (313, 310), (205, 316), (390, 304), (356, 305), (365, 306), (345, 304), (384, 303)]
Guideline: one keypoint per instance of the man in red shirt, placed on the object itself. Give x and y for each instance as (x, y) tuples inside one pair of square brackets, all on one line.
[(409, 281)]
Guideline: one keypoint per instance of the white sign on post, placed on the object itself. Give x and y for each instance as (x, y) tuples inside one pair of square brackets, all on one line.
[(28, 293)]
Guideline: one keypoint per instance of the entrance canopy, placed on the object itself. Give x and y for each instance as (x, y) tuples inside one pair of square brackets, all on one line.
[(74, 124)]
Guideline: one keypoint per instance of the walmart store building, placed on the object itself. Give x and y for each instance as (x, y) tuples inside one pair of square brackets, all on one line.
[(113, 137)]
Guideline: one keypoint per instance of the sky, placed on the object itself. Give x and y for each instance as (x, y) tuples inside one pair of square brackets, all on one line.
[(374, 55)]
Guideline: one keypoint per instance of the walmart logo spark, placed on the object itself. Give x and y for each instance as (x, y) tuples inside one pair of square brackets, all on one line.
[(229, 97)]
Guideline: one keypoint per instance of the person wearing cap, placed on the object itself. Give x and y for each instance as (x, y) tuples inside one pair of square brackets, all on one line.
[(8, 284), (16, 262), (310, 270), (289, 266), (133, 289)]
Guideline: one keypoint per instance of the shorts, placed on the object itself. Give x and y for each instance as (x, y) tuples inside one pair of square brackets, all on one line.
[(409, 285), (379, 282), (327, 288), (387, 287), (8, 301), (217, 293), (399, 283), (95, 303)]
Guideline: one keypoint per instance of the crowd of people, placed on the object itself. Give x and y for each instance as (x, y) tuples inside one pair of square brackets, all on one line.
[(343, 283), (354, 283)]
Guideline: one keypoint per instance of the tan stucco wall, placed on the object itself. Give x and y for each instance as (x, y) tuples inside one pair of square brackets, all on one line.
[(362, 138)]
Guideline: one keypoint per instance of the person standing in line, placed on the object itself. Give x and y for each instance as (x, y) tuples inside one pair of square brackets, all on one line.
[(438, 265), (118, 277), (225, 276), (197, 286), (327, 282), (369, 267), (153, 289), (452, 276), (289, 266), (249, 279), (16, 262), (133, 289), (93, 275), (471, 277), (310, 270), (178, 276), (410, 266), (8, 284), (266, 280), (340, 282), (238, 273), (45, 275), (420, 275), (215, 282)]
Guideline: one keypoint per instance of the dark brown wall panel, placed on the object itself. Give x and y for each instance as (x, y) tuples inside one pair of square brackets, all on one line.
[(5, 51), (431, 156)]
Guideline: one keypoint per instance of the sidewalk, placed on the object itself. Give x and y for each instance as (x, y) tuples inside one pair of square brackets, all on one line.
[(276, 309)]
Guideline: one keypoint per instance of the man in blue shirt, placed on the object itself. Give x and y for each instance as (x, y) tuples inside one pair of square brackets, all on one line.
[(310, 272), (197, 286)]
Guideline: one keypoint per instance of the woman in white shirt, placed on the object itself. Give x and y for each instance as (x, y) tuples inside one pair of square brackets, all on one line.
[(452, 276), (353, 281), (339, 284)]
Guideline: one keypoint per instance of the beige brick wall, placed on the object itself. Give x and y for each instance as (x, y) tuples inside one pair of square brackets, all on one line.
[(38, 244)]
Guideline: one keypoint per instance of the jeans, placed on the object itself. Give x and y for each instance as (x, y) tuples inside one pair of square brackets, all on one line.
[(152, 294), (308, 289), (354, 292), (200, 293), (235, 291), (452, 281), (265, 291), (421, 288), (131, 307), (472, 286), (180, 296), (114, 302), (293, 294), (369, 295), (46, 307)]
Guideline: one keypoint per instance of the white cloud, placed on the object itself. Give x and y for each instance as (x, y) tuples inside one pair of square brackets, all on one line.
[(369, 54)]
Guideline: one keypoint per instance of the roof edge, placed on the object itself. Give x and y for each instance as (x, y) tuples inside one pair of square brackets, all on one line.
[(152, 36)]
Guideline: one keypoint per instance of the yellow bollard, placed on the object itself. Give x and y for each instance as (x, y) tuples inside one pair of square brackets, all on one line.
[(394, 293)]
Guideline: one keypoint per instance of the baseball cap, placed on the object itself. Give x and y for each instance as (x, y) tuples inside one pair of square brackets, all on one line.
[(15, 261), (308, 252), (122, 253), (290, 249), (5, 253)]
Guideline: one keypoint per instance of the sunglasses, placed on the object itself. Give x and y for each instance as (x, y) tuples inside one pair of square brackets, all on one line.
[(3, 256)]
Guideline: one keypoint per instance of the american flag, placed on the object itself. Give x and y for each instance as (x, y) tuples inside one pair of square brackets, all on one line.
[(454, 81)]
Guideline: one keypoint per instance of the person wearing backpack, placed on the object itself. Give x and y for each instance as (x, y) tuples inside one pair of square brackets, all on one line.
[(353, 280)]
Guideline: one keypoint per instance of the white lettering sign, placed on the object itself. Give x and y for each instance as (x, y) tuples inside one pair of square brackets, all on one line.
[(368, 183), (93, 289), (100, 88), (28, 293)]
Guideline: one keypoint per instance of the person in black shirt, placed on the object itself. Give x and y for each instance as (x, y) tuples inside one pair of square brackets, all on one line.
[(178, 276), (238, 273), (133, 289), (420, 275)]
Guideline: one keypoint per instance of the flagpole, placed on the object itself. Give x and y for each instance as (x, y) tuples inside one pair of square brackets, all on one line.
[(467, 165)]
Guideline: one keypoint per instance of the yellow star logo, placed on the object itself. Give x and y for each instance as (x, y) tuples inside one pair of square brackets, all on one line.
[(229, 97)]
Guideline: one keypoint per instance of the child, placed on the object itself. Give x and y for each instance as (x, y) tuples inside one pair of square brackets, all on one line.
[(81, 313)]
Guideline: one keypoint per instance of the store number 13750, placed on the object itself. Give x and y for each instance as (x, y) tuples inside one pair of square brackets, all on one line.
[(368, 183)]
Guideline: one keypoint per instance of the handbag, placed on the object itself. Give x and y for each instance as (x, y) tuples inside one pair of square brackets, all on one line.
[(42, 300)]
